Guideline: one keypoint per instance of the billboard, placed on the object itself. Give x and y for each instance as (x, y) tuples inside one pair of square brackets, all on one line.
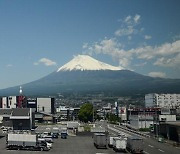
[(165, 111)]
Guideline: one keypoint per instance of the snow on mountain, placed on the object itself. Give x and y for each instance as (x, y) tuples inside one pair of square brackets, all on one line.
[(85, 62)]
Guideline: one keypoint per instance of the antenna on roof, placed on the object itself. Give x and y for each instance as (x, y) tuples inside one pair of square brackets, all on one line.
[(20, 90)]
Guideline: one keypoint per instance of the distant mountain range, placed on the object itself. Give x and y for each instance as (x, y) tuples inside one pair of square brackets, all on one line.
[(85, 75)]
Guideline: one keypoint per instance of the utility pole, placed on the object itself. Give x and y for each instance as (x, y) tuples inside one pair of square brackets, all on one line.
[(156, 122), (93, 113)]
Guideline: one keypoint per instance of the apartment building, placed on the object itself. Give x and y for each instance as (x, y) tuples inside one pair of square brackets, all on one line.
[(162, 100)]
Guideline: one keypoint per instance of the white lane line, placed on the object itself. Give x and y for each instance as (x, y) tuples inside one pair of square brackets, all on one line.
[(146, 152), (160, 150), (112, 133), (151, 146)]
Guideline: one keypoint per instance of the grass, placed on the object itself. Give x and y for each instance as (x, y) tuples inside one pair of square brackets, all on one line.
[(144, 129), (87, 128)]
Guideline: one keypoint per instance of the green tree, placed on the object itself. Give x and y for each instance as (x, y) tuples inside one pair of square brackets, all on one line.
[(86, 112), (113, 118)]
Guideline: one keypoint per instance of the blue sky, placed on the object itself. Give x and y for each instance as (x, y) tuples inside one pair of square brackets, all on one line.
[(39, 36)]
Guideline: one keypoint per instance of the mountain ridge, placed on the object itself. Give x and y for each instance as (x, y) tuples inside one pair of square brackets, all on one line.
[(81, 81)]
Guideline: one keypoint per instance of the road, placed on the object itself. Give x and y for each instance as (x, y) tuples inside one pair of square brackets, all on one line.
[(80, 144), (151, 146), (83, 144)]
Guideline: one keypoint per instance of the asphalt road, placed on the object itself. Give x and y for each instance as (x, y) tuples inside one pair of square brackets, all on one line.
[(151, 146), (80, 144), (83, 144)]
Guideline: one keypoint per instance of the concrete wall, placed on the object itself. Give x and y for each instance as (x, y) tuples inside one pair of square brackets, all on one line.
[(167, 117), (140, 121)]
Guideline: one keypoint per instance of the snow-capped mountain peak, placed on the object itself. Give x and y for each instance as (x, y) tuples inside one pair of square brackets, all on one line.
[(85, 62)]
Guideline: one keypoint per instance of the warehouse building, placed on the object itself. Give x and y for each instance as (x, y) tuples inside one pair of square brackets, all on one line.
[(17, 118)]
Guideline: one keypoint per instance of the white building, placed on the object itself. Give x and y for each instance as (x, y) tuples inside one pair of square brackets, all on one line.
[(45, 105), (9, 102), (4, 102), (162, 100), (12, 101), (141, 120)]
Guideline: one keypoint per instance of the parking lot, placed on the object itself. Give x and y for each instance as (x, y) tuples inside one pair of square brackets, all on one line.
[(80, 144)]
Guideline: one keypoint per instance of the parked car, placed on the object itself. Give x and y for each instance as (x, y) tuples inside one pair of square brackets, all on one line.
[(55, 135), (48, 138), (42, 140), (5, 131)]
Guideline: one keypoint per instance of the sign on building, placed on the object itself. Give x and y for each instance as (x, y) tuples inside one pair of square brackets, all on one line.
[(165, 111)]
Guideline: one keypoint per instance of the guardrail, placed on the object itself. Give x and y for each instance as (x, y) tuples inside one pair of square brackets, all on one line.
[(134, 131)]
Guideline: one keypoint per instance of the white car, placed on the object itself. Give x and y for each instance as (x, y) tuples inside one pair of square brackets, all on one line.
[(48, 139), (5, 131), (49, 145)]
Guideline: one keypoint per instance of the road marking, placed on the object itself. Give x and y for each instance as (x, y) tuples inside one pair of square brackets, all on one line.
[(151, 146), (146, 152), (160, 150), (113, 133)]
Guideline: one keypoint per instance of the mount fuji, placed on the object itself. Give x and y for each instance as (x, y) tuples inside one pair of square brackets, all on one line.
[(86, 63), (86, 75)]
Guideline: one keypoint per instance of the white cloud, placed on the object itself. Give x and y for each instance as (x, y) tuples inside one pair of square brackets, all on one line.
[(168, 62), (125, 31), (9, 65), (147, 37), (45, 61), (164, 50), (176, 37), (127, 19), (157, 74), (85, 45), (130, 20), (140, 64), (168, 54), (128, 26), (113, 48), (137, 18)]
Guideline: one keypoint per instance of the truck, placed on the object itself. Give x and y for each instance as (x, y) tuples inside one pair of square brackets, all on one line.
[(72, 125), (100, 140), (135, 144), (110, 142), (25, 142), (119, 144)]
